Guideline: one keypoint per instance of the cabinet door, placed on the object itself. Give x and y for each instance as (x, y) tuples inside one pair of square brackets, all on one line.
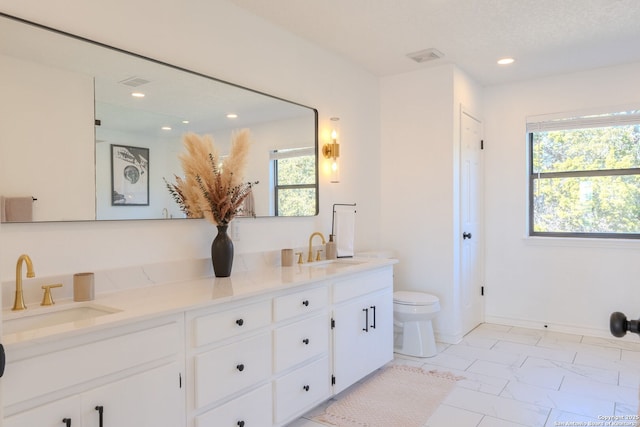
[(49, 415), (362, 337), (150, 399)]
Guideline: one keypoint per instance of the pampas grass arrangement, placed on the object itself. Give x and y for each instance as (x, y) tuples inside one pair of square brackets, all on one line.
[(212, 189)]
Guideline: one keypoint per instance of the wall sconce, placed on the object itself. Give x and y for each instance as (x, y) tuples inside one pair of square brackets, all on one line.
[(332, 150)]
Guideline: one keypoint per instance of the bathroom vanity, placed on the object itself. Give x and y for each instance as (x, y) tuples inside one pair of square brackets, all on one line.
[(259, 348)]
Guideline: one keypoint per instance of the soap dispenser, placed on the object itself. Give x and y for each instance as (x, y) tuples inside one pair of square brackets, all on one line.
[(331, 249)]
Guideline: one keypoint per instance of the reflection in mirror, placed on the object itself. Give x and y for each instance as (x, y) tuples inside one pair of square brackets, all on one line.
[(74, 126)]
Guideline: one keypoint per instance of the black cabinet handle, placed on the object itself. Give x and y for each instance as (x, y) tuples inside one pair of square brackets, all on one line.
[(239, 322), (240, 367), (373, 307), (67, 421), (3, 360), (306, 388), (366, 319), (306, 341), (466, 235), (100, 410), (305, 303), (240, 423)]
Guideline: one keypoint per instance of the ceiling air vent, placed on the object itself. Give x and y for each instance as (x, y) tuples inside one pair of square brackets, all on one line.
[(425, 55), (134, 81)]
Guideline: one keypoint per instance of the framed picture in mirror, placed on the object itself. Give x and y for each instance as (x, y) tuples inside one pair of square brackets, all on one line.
[(129, 176)]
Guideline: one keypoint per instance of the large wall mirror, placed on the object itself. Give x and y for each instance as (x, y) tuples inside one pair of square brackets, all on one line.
[(70, 128)]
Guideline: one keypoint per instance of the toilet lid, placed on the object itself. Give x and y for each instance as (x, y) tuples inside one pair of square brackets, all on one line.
[(414, 298)]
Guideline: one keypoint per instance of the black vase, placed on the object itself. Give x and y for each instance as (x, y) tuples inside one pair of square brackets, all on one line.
[(222, 253)]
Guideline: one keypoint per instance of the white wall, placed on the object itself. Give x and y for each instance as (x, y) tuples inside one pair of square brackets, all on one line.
[(420, 131), (568, 284), (213, 37)]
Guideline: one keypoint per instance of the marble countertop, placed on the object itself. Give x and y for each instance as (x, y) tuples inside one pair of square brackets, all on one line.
[(134, 304)]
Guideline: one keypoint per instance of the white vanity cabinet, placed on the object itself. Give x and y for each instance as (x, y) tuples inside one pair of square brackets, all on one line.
[(229, 364), (363, 325), (301, 352), (132, 374), (256, 359)]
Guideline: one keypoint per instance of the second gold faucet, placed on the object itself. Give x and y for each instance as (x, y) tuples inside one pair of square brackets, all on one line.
[(317, 233)]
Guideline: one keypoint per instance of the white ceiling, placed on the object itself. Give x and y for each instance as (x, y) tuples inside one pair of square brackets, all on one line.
[(544, 36)]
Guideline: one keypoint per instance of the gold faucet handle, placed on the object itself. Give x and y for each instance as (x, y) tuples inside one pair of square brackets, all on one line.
[(47, 299), (299, 257), (318, 254)]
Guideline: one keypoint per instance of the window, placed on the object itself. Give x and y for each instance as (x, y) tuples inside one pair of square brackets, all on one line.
[(294, 172), (584, 176)]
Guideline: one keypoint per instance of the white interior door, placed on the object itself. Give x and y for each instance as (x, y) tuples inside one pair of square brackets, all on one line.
[(471, 262)]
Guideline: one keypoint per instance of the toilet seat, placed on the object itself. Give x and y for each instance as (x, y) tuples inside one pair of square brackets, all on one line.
[(414, 298)]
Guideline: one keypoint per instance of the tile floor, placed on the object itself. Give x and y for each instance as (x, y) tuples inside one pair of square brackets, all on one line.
[(524, 377)]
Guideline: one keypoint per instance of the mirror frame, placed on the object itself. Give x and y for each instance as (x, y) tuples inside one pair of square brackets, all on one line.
[(179, 69)]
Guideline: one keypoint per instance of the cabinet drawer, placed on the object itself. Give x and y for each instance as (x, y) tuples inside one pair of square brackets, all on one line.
[(302, 389), (298, 303), (362, 284), (82, 363), (300, 341), (224, 324), (228, 369), (253, 408)]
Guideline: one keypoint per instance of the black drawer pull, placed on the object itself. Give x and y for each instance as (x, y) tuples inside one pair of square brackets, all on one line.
[(240, 367), (239, 322), (240, 423), (67, 421), (305, 303), (306, 388), (306, 341)]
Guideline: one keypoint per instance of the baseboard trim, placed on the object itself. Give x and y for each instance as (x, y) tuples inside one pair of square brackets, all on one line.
[(556, 327)]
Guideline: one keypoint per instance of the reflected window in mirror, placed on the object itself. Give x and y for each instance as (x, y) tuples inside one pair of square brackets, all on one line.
[(294, 182)]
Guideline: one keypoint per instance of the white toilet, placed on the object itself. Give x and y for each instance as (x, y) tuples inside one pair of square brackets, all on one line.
[(412, 315)]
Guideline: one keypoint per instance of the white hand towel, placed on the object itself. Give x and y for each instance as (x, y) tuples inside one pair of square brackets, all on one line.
[(17, 209), (345, 227)]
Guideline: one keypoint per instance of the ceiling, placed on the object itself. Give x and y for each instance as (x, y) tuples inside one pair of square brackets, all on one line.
[(545, 37)]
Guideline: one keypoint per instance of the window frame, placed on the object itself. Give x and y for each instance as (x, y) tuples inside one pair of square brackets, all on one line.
[(575, 122)]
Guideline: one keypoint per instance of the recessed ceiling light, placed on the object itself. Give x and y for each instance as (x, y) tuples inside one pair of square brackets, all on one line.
[(232, 116), (506, 61), (166, 128), (186, 122), (137, 94)]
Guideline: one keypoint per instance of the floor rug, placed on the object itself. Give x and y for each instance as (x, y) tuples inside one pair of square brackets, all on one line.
[(396, 395)]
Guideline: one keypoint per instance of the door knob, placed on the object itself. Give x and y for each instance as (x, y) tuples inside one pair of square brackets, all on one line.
[(466, 235), (619, 325)]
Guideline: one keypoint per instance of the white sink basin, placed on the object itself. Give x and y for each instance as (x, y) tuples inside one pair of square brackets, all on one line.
[(38, 318)]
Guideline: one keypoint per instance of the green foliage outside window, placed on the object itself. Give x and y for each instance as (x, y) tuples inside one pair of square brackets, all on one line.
[(295, 186), (586, 181)]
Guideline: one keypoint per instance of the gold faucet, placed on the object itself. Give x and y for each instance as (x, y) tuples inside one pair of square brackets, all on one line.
[(317, 233), (18, 303)]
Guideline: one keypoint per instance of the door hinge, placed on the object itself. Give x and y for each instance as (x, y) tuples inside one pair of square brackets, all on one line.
[(482, 144), (333, 323), (481, 290), (333, 380), (180, 379)]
